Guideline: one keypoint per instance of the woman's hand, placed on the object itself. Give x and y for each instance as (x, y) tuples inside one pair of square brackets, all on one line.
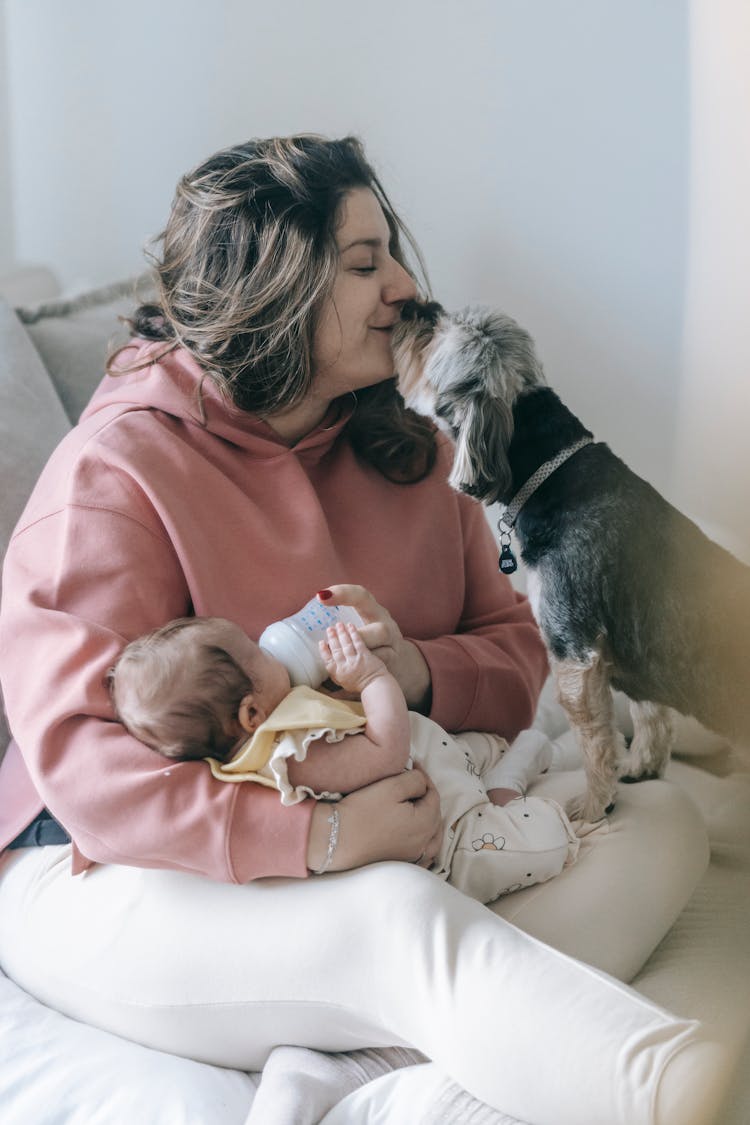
[(382, 635), (397, 818)]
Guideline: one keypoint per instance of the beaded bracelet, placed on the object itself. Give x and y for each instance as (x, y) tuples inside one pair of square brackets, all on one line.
[(333, 839)]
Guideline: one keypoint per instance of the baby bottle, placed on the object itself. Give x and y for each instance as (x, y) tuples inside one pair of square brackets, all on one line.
[(294, 641)]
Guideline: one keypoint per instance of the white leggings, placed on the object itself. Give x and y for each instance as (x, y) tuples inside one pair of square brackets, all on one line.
[(386, 955)]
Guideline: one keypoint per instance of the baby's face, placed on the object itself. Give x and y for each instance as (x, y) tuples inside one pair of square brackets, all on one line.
[(268, 675)]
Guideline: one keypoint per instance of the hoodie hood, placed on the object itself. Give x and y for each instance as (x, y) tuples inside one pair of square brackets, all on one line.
[(176, 385)]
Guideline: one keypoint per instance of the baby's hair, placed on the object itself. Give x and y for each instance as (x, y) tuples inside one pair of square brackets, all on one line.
[(178, 691)]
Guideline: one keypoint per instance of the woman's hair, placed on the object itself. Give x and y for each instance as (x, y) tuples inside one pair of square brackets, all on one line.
[(248, 257), (179, 692)]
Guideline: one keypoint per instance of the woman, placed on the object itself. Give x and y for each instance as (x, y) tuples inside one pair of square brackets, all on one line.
[(246, 449)]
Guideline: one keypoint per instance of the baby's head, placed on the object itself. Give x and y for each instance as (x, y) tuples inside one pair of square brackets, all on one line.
[(195, 687)]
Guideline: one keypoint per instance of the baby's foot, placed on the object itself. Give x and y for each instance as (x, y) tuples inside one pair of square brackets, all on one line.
[(530, 754)]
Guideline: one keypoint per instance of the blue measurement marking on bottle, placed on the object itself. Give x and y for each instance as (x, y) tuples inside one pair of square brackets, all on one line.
[(314, 620)]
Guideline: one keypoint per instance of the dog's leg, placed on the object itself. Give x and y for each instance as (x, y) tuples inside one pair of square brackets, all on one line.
[(585, 694), (653, 738)]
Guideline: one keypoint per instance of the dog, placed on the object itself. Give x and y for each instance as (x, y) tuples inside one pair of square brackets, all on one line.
[(628, 592)]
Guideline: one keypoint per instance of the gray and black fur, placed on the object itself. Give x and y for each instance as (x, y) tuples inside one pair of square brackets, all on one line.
[(628, 592)]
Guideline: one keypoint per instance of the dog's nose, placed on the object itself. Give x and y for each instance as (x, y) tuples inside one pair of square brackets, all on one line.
[(427, 311), (409, 310)]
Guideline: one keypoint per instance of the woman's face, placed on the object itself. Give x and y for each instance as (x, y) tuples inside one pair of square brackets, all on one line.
[(352, 341)]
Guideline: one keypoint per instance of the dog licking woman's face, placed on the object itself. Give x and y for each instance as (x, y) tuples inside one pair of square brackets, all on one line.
[(412, 339), (443, 363), (466, 370)]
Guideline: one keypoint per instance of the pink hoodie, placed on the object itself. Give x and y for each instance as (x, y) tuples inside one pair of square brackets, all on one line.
[(152, 508)]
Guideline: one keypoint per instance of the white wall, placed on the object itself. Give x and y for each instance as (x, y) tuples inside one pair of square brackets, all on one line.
[(712, 456), (539, 151), (7, 247)]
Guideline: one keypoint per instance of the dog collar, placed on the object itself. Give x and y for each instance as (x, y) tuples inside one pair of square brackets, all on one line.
[(507, 561)]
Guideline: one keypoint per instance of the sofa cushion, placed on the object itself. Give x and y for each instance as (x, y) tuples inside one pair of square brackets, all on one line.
[(32, 422), (58, 1070), (74, 337)]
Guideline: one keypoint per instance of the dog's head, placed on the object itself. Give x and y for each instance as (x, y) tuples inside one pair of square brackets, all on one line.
[(467, 370)]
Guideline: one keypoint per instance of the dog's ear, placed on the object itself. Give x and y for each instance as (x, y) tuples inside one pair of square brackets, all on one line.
[(480, 464)]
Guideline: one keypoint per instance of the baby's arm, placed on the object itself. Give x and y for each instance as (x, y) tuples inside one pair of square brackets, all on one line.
[(382, 749)]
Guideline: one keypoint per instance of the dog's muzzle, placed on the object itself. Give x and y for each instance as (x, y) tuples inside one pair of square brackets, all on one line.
[(426, 312)]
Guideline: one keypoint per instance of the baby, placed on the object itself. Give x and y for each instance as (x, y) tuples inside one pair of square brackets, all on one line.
[(201, 688)]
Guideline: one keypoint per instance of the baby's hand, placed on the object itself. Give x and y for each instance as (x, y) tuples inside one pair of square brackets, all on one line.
[(348, 660)]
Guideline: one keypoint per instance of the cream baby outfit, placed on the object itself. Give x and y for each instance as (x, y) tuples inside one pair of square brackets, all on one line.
[(487, 851)]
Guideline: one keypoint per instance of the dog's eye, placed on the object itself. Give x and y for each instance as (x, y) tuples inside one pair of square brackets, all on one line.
[(445, 413)]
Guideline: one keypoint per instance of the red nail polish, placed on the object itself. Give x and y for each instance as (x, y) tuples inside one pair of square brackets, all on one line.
[(324, 595)]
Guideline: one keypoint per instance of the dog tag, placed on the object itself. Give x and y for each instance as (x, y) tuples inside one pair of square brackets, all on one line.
[(507, 561)]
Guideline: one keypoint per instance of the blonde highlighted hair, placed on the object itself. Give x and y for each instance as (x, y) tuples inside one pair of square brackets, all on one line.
[(248, 257)]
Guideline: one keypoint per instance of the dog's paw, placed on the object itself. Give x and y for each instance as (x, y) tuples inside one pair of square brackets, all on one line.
[(647, 775), (648, 752), (638, 766), (586, 808)]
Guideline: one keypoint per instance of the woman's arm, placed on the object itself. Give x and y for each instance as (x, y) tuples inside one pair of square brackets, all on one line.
[(462, 643), (397, 818), (382, 749), (78, 584), (487, 674)]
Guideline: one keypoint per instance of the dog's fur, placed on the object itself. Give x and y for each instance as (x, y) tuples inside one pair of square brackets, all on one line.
[(628, 592)]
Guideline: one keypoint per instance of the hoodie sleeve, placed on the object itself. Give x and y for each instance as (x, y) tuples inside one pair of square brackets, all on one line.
[(489, 673), (108, 577)]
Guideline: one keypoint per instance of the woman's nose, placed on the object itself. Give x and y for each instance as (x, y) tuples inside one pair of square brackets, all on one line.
[(400, 286)]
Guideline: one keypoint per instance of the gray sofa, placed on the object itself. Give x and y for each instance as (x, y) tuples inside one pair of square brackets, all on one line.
[(49, 364), (50, 360)]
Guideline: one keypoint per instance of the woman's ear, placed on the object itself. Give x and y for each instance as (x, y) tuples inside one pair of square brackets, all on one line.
[(250, 716)]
